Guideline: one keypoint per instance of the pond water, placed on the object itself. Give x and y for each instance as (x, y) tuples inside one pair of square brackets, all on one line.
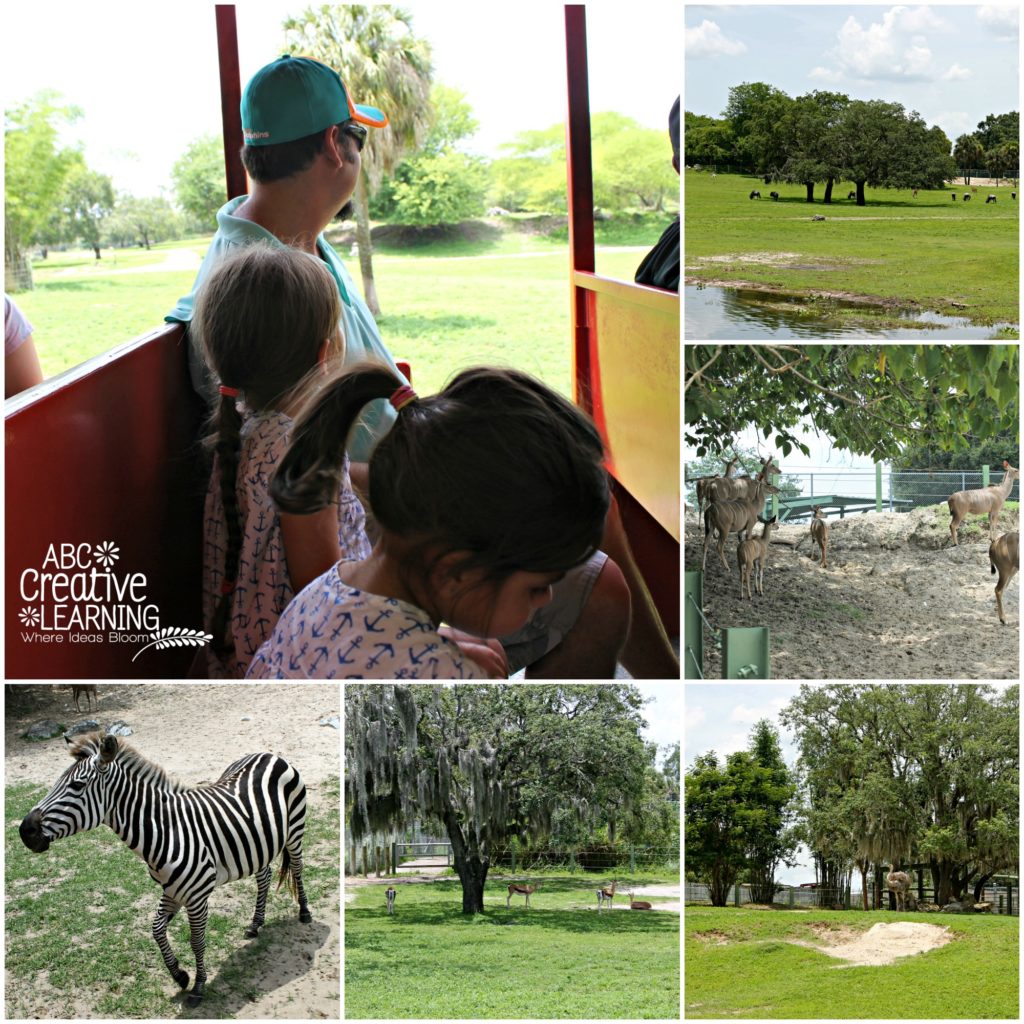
[(714, 313)]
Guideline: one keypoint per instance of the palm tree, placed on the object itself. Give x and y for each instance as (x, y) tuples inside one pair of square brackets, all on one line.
[(383, 65), (968, 153)]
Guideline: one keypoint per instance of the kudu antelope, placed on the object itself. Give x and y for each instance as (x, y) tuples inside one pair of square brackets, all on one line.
[(734, 516), (986, 499), (752, 557), (606, 893), (705, 483), (516, 889), (1004, 556), (819, 533), (638, 904), (89, 690)]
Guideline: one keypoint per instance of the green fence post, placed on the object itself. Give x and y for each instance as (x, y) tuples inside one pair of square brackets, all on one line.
[(792, 897), (878, 487), (736, 894), (693, 633), (775, 498), (394, 857), (745, 653), (984, 476)]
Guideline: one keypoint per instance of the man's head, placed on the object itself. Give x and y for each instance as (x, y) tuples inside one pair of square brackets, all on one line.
[(288, 107), (673, 133)]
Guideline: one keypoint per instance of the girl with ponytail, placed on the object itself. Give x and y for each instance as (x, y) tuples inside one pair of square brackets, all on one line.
[(485, 494), (266, 320)]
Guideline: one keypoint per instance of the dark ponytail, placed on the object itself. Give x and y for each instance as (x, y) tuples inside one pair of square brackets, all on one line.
[(309, 475)]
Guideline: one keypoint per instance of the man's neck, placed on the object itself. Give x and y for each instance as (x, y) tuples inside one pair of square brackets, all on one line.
[(288, 212)]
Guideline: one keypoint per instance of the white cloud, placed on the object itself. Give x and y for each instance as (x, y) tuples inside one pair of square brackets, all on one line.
[(957, 74), (742, 713), (695, 717), (825, 75), (894, 48), (1003, 22), (952, 122), (708, 40)]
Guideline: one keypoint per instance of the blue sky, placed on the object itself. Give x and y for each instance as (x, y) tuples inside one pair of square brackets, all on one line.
[(953, 64), (148, 85)]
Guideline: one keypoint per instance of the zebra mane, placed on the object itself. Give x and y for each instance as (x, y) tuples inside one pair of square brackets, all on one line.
[(129, 758)]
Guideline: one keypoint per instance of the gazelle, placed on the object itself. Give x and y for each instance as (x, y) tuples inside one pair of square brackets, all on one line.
[(606, 893), (517, 889), (390, 895), (638, 904)]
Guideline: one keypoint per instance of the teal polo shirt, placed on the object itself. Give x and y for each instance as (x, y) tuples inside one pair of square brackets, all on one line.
[(362, 339)]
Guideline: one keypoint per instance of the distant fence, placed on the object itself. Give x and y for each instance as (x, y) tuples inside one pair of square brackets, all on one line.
[(1005, 899)]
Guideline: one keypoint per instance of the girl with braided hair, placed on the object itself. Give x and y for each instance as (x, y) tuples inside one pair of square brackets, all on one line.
[(266, 320), (486, 494)]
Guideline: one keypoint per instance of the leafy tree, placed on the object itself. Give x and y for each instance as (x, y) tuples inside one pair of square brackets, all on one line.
[(384, 65), (813, 151), (199, 181), (141, 222), (998, 129), (770, 840), (872, 137), (439, 184), (708, 141), (36, 167), (749, 464), (870, 399), (632, 164), (532, 175), (491, 763), (968, 153), (85, 203), (760, 116)]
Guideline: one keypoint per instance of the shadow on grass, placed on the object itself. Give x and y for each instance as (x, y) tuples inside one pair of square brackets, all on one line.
[(66, 286), (415, 325)]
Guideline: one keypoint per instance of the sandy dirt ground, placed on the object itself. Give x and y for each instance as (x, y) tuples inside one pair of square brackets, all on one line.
[(194, 731), (896, 601), (880, 944)]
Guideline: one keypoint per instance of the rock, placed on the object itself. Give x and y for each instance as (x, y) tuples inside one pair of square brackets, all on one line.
[(333, 721), (44, 730), (87, 725), (119, 728), (953, 908), (817, 216)]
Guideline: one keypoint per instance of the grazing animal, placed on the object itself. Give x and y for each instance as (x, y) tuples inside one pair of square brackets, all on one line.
[(1013, 195), (1004, 555), (819, 533), (638, 904), (752, 556), (974, 189), (774, 195), (966, 198), (193, 838), (985, 499), (990, 199), (915, 193), (389, 895), (852, 195), (952, 195), (515, 889), (755, 194), (898, 883), (89, 689)]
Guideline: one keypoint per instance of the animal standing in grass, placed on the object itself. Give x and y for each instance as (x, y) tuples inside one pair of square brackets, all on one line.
[(898, 883), (193, 838), (519, 889)]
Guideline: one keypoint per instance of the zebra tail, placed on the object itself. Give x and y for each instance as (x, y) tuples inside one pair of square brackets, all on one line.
[(289, 874)]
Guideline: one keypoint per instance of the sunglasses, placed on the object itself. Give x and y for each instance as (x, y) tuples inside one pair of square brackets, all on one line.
[(356, 132)]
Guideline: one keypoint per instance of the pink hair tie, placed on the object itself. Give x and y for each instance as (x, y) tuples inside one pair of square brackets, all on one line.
[(402, 397), (227, 587), (228, 392)]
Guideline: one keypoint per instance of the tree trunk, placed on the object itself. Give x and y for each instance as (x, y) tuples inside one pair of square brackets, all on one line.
[(828, 191), (863, 865), (809, 185), (17, 271), (471, 865), (365, 248), (96, 249), (860, 193)]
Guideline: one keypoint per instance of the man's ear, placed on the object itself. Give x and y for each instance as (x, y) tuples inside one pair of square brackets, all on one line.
[(334, 145)]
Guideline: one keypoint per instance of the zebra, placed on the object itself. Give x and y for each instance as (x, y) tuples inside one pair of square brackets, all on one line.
[(193, 838)]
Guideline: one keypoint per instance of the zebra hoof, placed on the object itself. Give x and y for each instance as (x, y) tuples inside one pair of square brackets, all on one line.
[(181, 977), (252, 932), (194, 1000), (305, 917)]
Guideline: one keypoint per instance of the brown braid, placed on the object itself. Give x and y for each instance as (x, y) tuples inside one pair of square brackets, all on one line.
[(228, 448)]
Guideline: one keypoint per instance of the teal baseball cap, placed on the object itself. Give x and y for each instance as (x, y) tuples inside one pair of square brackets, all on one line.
[(293, 97)]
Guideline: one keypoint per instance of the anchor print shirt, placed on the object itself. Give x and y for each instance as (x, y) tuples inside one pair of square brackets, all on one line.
[(334, 631), (262, 589)]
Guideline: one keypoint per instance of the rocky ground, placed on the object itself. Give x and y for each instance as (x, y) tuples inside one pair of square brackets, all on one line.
[(896, 601)]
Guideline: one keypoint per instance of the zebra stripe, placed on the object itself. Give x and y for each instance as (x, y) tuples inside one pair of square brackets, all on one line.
[(193, 838)]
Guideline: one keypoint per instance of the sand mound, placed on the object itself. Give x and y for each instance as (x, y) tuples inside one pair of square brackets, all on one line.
[(885, 943)]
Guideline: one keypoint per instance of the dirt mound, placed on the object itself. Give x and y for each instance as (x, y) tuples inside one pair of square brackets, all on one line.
[(896, 601), (882, 943)]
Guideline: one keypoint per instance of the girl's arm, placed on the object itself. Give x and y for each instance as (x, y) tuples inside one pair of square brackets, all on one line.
[(310, 544)]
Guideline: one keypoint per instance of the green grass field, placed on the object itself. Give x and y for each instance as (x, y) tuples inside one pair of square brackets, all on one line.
[(559, 959), (502, 298), (954, 258), (739, 963), (79, 920)]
